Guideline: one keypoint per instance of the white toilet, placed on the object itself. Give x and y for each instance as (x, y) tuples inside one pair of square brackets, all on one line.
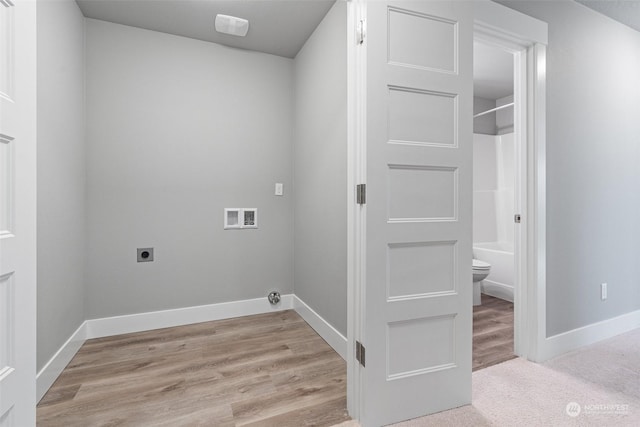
[(481, 270)]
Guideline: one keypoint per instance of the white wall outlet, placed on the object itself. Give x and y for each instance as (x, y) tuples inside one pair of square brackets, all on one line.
[(239, 218), (603, 291), (279, 189)]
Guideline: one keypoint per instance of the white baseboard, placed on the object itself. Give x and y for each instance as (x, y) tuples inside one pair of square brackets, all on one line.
[(590, 334), (328, 333), (108, 326), (497, 289), (54, 367)]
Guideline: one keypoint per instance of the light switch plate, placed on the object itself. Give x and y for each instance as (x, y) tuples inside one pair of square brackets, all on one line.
[(279, 189)]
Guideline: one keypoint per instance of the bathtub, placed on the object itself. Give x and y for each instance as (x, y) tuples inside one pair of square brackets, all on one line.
[(500, 281)]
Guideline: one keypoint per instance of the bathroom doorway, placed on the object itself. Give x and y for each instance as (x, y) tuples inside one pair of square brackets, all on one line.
[(516, 245), (494, 211)]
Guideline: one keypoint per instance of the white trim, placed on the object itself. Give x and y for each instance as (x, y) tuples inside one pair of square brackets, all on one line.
[(525, 37), (108, 326), (523, 121), (54, 367), (508, 23), (351, 37), (497, 290), (356, 174), (590, 334), (537, 248), (331, 335)]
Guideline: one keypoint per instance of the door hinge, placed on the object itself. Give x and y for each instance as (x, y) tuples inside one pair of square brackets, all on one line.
[(360, 353), (517, 218), (361, 31), (361, 194)]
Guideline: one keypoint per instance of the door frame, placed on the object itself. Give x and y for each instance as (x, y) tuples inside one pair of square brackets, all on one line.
[(356, 173), (527, 38)]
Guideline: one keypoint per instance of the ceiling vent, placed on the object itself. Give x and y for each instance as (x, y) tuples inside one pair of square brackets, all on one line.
[(232, 25)]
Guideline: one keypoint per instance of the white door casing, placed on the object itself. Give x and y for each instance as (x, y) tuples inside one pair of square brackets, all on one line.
[(526, 38), (416, 287), (17, 212)]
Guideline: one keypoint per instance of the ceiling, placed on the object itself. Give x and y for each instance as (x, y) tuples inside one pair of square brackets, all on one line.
[(493, 68), (276, 27), (624, 11), (281, 27), (492, 72)]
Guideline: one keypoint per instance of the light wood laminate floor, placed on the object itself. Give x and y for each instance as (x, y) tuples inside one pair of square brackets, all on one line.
[(492, 332), (269, 369)]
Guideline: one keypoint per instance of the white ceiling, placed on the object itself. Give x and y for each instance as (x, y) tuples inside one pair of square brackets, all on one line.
[(492, 72), (625, 11), (277, 27)]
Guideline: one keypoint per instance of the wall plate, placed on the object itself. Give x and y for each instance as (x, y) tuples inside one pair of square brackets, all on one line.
[(240, 218), (232, 218), (250, 218), (145, 254)]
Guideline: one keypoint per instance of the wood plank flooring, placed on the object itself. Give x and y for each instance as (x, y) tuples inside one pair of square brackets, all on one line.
[(269, 369), (264, 370), (492, 332)]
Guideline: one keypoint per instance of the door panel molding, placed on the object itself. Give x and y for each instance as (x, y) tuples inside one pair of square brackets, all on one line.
[(18, 124), (416, 148)]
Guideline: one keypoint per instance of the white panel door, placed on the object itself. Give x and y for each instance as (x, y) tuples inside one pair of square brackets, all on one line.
[(17, 212), (418, 302)]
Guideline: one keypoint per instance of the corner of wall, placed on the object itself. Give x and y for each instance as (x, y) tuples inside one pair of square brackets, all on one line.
[(319, 146), (61, 146), (84, 133), (331, 335), (54, 367)]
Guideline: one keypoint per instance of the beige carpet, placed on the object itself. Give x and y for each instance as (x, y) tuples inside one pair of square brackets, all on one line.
[(603, 379)]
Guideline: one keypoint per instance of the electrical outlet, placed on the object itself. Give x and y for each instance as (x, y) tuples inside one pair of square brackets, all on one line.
[(603, 291), (145, 254)]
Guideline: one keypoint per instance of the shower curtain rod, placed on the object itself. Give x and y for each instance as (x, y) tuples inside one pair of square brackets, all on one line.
[(494, 109)]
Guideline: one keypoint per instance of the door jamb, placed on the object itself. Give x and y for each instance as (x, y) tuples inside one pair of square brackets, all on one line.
[(356, 174), (529, 49)]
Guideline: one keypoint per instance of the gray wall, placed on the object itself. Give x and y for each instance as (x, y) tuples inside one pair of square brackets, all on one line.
[(177, 130), (61, 175), (320, 165), (484, 124), (593, 202)]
